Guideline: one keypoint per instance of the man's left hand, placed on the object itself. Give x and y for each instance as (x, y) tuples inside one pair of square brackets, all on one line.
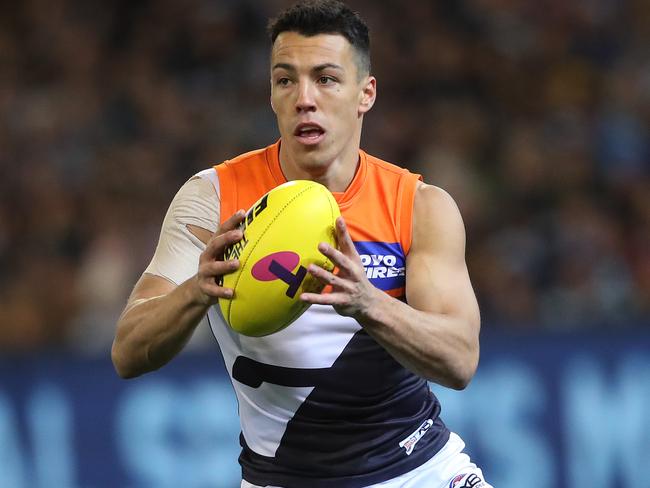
[(352, 294)]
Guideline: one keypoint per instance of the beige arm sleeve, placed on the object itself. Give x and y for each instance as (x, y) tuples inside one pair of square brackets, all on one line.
[(177, 254)]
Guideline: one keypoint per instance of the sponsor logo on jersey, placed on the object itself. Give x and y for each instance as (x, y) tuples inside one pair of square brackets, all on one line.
[(384, 263), (465, 480), (409, 443)]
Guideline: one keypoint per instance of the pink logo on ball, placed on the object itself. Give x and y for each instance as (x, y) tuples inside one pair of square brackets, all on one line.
[(262, 269)]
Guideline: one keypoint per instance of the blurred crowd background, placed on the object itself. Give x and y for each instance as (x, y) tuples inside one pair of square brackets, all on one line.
[(533, 114)]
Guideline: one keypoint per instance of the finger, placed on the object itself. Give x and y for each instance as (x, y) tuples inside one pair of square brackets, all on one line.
[(324, 298), (216, 246), (339, 259), (213, 269), (345, 243), (232, 222), (215, 291), (329, 278)]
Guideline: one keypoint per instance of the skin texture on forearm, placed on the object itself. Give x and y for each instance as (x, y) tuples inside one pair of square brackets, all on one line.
[(151, 331), (432, 345), (160, 317)]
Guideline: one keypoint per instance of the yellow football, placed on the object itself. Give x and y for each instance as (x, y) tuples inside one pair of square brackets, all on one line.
[(281, 235)]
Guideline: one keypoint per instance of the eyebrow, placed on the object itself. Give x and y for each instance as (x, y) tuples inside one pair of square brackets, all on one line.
[(316, 69)]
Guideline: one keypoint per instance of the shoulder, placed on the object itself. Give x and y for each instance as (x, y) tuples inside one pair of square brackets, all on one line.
[(202, 188), (195, 204), (437, 220), (434, 198)]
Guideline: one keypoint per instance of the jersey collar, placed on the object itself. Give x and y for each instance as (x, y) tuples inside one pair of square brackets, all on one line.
[(344, 199)]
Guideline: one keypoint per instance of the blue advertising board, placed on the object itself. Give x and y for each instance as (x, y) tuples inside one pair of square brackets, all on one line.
[(542, 412)]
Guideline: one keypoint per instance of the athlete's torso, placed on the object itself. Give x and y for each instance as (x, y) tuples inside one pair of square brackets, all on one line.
[(321, 403)]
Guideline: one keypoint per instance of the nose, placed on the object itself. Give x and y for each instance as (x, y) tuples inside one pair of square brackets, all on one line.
[(305, 101)]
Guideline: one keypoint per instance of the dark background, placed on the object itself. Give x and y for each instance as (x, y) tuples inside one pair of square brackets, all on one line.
[(532, 114)]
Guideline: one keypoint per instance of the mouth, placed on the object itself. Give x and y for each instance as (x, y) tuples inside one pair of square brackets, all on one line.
[(309, 133)]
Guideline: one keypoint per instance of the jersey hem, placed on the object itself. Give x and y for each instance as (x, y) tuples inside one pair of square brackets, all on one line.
[(414, 461)]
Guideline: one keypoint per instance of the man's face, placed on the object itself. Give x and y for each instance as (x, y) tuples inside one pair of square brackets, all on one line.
[(319, 97)]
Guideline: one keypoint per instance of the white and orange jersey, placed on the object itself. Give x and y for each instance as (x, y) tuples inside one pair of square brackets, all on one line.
[(321, 403)]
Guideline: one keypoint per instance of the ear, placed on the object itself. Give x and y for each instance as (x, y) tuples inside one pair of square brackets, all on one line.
[(368, 95)]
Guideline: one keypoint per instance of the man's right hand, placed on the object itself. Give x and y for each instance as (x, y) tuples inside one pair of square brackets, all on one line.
[(211, 262), (160, 317)]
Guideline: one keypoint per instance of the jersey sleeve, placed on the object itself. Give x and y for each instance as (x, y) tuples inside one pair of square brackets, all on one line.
[(177, 253)]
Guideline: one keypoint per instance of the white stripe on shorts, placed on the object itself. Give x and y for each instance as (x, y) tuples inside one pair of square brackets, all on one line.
[(440, 471)]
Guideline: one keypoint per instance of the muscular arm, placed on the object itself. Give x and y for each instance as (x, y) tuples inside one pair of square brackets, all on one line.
[(436, 333), (157, 322), (160, 317)]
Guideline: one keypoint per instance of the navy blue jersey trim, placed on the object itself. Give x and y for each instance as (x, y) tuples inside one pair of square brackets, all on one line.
[(253, 373)]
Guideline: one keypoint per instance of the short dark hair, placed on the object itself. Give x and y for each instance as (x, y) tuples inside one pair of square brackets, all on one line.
[(313, 17)]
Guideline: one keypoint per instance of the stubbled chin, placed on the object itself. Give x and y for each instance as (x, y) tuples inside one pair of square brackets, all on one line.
[(311, 159)]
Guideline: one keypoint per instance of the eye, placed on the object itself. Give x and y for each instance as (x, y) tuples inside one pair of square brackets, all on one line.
[(326, 80), (282, 81)]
